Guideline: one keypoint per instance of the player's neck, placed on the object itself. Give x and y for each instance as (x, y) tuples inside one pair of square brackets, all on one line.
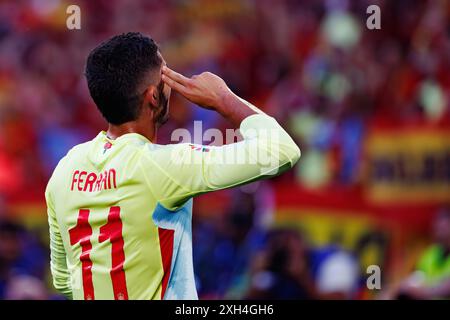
[(148, 131)]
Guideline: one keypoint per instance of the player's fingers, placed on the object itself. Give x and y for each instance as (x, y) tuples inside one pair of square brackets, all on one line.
[(175, 75), (173, 84)]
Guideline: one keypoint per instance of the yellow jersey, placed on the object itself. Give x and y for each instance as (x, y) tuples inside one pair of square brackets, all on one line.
[(120, 210)]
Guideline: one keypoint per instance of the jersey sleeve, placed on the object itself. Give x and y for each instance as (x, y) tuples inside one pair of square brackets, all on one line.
[(58, 263), (181, 171)]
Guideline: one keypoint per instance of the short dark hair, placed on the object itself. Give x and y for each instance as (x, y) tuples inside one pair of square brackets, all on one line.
[(115, 71)]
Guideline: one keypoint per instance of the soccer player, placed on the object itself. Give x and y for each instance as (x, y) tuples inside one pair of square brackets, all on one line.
[(120, 205)]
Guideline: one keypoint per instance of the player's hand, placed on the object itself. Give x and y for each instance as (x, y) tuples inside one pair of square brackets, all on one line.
[(206, 89), (211, 92)]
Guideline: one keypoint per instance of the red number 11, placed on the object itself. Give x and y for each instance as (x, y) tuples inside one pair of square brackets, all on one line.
[(111, 231)]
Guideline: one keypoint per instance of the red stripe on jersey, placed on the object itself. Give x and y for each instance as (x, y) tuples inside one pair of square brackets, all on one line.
[(112, 231), (166, 245), (81, 233)]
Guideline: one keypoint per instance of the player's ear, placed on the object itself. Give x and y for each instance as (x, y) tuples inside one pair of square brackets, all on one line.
[(151, 98)]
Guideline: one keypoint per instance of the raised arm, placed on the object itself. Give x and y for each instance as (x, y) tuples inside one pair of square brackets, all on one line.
[(186, 170)]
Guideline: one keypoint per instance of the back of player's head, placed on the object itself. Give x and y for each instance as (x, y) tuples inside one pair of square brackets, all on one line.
[(116, 72)]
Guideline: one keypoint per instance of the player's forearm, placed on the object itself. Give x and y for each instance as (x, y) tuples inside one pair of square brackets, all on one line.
[(60, 274), (58, 266), (275, 139), (274, 145), (58, 263), (266, 151), (61, 281), (235, 109)]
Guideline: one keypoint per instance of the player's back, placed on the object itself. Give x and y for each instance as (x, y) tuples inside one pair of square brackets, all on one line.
[(119, 241), (120, 210)]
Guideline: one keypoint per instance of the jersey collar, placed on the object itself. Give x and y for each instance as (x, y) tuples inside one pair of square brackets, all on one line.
[(125, 137)]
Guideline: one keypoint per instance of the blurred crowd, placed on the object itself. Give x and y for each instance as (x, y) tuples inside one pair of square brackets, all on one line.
[(311, 64)]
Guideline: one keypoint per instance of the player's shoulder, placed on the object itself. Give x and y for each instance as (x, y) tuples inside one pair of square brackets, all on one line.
[(152, 152), (70, 157), (182, 147), (175, 151), (74, 152)]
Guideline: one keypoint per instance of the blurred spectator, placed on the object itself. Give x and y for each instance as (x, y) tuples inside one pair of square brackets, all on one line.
[(282, 270), (336, 273), (26, 288), (223, 250), (289, 268), (431, 279), (21, 262)]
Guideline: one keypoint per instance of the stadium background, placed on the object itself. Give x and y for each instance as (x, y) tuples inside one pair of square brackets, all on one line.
[(368, 108)]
